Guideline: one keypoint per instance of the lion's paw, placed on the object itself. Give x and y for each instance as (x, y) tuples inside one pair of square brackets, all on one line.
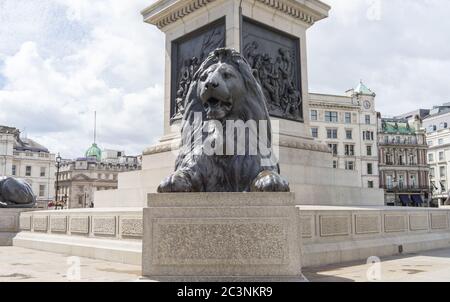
[(270, 181), (178, 182)]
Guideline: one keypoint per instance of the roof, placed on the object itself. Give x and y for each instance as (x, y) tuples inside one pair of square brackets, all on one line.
[(363, 89), (94, 151), (396, 126), (26, 144)]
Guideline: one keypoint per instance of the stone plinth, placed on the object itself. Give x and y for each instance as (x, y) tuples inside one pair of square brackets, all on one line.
[(221, 236), (9, 224)]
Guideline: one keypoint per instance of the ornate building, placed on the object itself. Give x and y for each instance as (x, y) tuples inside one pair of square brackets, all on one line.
[(96, 171), (24, 158), (402, 163), (348, 124)]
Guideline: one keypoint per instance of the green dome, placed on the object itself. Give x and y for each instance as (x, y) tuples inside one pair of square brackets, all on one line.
[(94, 151)]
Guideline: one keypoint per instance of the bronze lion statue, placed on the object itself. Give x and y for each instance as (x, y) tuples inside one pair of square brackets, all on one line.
[(16, 193), (223, 92)]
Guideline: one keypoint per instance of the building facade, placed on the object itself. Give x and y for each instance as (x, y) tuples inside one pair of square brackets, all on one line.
[(348, 125), (404, 173), (26, 159), (80, 178), (437, 127)]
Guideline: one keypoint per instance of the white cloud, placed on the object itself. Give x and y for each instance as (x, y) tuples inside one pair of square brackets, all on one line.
[(116, 70)]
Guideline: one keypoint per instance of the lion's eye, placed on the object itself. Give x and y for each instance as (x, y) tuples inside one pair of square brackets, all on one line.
[(227, 75), (203, 77)]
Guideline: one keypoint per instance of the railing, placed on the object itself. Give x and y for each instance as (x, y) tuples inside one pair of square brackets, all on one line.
[(405, 188)]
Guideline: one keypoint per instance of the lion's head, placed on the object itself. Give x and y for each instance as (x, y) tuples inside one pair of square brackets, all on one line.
[(225, 88)]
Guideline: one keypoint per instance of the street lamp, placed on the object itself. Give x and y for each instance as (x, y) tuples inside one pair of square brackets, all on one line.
[(58, 163)]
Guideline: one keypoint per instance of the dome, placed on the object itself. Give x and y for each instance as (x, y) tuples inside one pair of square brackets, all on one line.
[(94, 151)]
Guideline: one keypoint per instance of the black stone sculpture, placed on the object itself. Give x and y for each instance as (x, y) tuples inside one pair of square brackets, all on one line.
[(16, 193), (224, 89)]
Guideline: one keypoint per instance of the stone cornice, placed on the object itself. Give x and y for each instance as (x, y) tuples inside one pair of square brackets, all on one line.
[(165, 12)]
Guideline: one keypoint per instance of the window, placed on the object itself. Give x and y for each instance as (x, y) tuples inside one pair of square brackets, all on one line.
[(41, 190), (43, 171), (368, 135), (334, 148), (413, 181), (370, 184), (348, 134), (349, 165), (331, 116), (349, 150), (369, 168), (313, 115), (441, 141), (14, 170), (315, 132), (332, 133), (430, 157), (99, 176), (389, 181), (432, 172), (430, 143), (441, 156), (335, 164), (369, 150), (367, 119), (348, 118), (401, 181), (389, 159), (442, 172), (28, 171), (400, 160)]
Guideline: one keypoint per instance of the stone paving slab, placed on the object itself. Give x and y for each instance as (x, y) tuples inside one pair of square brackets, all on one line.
[(432, 266), (25, 265)]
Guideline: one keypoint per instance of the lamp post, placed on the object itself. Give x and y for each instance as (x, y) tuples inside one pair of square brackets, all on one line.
[(58, 163)]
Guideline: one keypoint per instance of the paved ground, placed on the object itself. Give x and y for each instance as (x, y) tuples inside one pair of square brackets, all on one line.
[(433, 266), (19, 264)]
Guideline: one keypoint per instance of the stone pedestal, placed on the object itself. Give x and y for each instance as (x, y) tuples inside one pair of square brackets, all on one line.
[(222, 237), (9, 224)]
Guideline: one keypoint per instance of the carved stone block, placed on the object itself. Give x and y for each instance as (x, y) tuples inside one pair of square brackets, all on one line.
[(439, 221), (220, 241), (307, 226), (25, 223), (131, 226), (335, 226), (79, 224), (395, 223), (58, 224), (367, 224), (7, 223), (40, 223), (104, 225), (418, 222)]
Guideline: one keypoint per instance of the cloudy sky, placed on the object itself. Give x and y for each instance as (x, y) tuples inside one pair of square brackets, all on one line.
[(60, 60)]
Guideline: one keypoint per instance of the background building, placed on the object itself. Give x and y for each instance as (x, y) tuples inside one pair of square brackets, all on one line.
[(80, 178), (348, 124), (402, 163), (24, 158), (436, 125)]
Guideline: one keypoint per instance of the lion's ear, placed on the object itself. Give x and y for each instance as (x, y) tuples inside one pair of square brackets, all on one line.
[(255, 73)]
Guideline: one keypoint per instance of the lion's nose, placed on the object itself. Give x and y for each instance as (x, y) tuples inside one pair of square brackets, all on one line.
[(211, 85)]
